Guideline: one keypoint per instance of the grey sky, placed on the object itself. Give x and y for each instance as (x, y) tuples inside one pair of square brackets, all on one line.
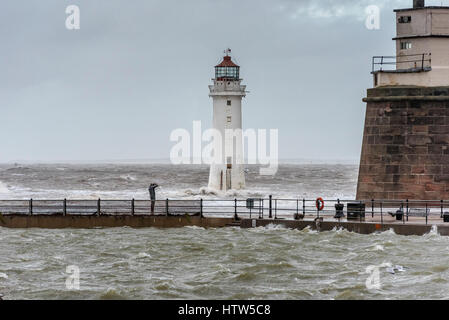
[(138, 69)]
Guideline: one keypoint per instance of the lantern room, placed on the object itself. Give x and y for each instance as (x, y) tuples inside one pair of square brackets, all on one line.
[(227, 70)]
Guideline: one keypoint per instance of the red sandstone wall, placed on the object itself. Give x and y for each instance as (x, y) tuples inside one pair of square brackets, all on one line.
[(405, 152)]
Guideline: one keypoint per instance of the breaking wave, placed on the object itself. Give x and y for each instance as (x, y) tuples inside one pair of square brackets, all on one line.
[(3, 188), (176, 182)]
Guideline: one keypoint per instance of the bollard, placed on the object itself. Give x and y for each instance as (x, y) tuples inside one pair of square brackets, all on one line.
[(339, 213), (296, 216), (318, 222)]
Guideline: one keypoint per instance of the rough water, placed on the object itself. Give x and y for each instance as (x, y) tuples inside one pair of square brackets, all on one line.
[(197, 263), (177, 182), (194, 263)]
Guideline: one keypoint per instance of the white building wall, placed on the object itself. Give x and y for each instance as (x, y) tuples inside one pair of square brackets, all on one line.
[(428, 33)]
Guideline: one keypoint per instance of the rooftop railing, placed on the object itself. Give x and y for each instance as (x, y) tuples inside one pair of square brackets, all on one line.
[(416, 62)]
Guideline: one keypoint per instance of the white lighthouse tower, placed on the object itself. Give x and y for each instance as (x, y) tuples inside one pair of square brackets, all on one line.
[(227, 93)]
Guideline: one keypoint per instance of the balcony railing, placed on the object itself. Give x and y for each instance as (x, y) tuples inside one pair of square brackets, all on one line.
[(410, 62)]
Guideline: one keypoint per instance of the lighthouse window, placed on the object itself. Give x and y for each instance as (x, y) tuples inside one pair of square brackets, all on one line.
[(405, 19), (406, 45), (229, 102), (229, 119)]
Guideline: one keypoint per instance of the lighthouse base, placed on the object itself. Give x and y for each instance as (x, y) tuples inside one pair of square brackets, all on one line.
[(405, 152), (223, 177)]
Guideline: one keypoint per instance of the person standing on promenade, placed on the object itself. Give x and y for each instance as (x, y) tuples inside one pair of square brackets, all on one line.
[(152, 190)]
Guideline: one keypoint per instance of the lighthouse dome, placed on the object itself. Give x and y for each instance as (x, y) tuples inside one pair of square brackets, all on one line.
[(227, 70)]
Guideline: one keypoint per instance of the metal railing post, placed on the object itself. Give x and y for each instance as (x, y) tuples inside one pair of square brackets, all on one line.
[(133, 207), (297, 208), (381, 214), (426, 213), (442, 214), (270, 207), (98, 207), (235, 209), (372, 208), (304, 207), (166, 207), (407, 209), (64, 207), (360, 213), (31, 207), (402, 210), (201, 208)]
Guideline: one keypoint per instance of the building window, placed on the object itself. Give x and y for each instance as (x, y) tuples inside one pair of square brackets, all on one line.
[(229, 102), (405, 19), (229, 119), (406, 45)]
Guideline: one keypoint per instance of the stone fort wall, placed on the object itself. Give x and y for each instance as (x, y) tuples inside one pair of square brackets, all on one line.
[(405, 151)]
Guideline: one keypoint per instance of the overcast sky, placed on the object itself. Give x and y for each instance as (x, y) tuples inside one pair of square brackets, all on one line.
[(136, 70)]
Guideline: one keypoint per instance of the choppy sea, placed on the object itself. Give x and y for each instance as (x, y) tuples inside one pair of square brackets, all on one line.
[(197, 263)]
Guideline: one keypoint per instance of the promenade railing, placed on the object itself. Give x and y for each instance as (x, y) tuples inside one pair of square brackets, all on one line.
[(254, 208)]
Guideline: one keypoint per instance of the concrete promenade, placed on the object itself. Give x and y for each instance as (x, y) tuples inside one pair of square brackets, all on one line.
[(415, 225)]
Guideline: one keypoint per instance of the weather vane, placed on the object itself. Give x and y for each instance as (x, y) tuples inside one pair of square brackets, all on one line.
[(227, 52)]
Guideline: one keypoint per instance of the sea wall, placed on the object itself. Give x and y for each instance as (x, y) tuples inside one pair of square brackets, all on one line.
[(87, 222), (356, 226)]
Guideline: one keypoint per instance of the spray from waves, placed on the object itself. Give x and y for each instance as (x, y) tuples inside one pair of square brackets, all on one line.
[(212, 193), (176, 182), (128, 177), (3, 188)]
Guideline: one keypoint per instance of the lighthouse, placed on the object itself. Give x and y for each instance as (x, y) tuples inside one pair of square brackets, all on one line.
[(405, 150), (227, 93)]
